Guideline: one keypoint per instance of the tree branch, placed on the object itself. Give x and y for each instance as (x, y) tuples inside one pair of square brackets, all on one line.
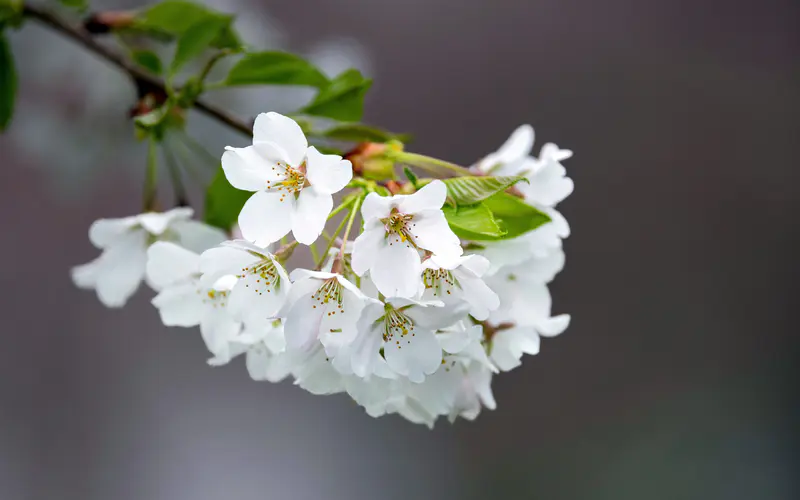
[(139, 76)]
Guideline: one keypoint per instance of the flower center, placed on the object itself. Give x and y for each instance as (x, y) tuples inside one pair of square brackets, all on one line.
[(400, 225), (396, 326), (266, 274), (293, 182), (331, 291), (441, 281), (214, 297)]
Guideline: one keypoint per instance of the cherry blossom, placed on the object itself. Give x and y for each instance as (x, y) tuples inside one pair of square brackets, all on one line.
[(292, 183)]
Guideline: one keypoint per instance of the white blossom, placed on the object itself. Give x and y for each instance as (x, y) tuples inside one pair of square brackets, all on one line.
[(292, 182), (520, 322), (322, 307), (183, 300), (264, 348), (548, 183), (119, 270), (474, 392), (396, 229), (404, 330), (457, 282), (262, 284)]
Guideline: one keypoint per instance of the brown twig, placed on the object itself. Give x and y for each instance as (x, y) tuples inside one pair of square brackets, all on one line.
[(141, 78)]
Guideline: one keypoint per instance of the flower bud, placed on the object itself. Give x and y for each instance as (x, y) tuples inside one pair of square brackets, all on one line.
[(104, 22), (371, 160)]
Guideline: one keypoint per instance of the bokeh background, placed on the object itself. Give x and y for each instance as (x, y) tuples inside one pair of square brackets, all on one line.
[(676, 380)]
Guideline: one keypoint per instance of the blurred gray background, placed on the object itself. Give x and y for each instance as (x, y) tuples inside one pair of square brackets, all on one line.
[(676, 379)]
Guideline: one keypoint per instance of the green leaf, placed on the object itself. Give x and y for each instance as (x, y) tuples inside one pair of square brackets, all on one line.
[(329, 150), (411, 176), (197, 39), (342, 99), (275, 68), (175, 17), (358, 132), (223, 202), (79, 5), (11, 13), (468, 190), (515, 216), (8, 83), (147, 59), (473, 222)]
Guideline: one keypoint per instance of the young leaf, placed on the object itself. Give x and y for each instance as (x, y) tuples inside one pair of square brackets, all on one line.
[(411, 176), (473, 222), (196, 39), (8, 83), (358, 132), (468, 190), (223, 202), (516, 216), (342, 99), (174, 17), (275, 68), (147, 59)]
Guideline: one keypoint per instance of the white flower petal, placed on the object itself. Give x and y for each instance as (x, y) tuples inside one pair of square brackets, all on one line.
[(435, 316), (338, 326), (310, 215), (85, 275), (552, 151), (375, 206), (168, 263), (222, 261), (548, 185), (180, 305), (364, 247), (198, 236), (553, 326), (104, 232), (414, 355), (478, 265), (364, 352), (479, 296), (266, 217), (303, 323), (156, 223), (123, 267), (454, 341), (516, 148), (531, 305), (246, 169), (430, 197), (253, 299), (432, 232), (218, 328), (396, 270), (327, 173), (261, 365), (283, 131)]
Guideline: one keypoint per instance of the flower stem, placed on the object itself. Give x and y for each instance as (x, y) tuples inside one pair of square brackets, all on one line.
[(138, 75), (181, 199), (151, 177), (210, 64), (314, 252), (330, 242), (350, 220), (345, 204)]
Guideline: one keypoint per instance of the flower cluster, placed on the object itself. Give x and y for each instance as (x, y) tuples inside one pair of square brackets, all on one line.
[(400, 311)]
